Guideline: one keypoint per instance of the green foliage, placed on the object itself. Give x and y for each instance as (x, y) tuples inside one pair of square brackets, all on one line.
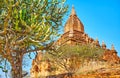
[(30, 22), (28, 26), (26, 23), (71, 57), (1, 67), (82, 51)]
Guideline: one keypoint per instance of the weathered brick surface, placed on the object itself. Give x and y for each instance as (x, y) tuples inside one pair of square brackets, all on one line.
[(111, 56)]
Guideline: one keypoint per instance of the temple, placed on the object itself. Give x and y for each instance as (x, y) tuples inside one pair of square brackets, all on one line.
[(74, 31), (73, 34)]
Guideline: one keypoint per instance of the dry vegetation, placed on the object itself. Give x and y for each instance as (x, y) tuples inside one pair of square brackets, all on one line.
[(101, 70), (94, 70)]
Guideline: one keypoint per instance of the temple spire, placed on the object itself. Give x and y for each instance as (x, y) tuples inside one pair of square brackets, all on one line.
[(103, 45), (73, 11), (73, 23), (112, 47)]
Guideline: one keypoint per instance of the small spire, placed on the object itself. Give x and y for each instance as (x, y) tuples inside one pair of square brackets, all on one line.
[(112, 47), (103, 45), (96, 40), (73, 11)]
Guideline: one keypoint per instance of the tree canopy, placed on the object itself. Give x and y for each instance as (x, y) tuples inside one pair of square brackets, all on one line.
[(27, 26)]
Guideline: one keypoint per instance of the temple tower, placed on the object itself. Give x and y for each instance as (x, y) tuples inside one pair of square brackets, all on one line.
[(73, 23), (74, 31)]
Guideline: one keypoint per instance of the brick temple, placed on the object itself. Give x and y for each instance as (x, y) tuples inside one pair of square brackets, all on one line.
[(73, 34)]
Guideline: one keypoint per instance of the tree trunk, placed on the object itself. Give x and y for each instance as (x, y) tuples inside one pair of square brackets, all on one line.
[(16, 64)]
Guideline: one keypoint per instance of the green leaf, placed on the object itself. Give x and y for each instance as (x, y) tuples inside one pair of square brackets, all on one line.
[(1, 67), (5, 70)]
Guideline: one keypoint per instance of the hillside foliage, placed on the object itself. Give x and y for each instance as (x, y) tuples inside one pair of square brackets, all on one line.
[(72, 57)]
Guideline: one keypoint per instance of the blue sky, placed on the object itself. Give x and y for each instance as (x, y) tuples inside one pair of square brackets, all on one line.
[(101, 19)]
